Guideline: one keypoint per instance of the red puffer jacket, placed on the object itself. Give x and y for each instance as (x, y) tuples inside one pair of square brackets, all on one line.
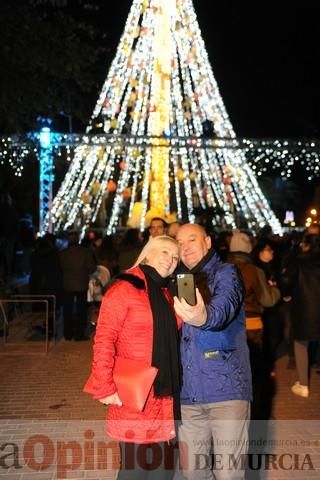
[(125, 326)]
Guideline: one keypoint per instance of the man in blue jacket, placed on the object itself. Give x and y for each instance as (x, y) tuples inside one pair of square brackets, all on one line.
[(216, 390)]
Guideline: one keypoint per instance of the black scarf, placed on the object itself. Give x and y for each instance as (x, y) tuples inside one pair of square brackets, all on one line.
[(165, 352)]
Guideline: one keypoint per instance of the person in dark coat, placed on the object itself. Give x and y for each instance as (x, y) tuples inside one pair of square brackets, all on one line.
[(302, 281), (8, 233), (77, 264), (46, 275), (105, 253), (26, 241), (263, 255), (130, 248)]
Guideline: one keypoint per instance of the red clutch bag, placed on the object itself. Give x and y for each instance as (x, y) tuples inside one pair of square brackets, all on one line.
[(133, 379)]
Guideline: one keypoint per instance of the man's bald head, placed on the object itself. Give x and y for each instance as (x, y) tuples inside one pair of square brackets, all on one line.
[(194, 244)]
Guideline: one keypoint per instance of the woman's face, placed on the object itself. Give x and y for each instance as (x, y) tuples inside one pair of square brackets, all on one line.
[(163, 258), (266, 255)]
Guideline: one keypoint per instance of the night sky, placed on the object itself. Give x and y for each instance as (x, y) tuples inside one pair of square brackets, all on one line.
[(265, 57)]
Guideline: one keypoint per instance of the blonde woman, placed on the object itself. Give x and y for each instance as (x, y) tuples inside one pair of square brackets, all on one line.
[(137, 321)]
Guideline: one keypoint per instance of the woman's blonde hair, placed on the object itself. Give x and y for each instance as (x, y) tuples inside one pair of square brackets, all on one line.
[(152, 244)]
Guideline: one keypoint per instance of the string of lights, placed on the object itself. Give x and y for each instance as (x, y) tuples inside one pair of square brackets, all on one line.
[(263, 155)]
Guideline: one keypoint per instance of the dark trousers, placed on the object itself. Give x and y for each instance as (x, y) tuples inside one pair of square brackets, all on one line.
[(262, 384), (152, 461), (273, 334), (74, 315)]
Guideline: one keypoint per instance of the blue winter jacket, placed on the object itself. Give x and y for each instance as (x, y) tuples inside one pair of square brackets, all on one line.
[(215, 357)]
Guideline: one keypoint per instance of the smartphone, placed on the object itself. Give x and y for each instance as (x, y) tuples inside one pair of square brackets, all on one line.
[(186, 288)]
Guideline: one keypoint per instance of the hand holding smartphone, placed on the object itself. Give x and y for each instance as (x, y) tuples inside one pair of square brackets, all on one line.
[(186, 288)]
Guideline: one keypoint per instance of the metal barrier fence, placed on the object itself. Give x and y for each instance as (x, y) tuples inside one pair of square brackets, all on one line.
[(46, 300)]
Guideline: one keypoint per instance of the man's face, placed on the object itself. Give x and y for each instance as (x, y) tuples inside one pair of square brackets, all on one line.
[(194, 244), (156, 228)]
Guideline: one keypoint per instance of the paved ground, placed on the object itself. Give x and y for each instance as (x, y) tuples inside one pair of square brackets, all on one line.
[(50, 429)]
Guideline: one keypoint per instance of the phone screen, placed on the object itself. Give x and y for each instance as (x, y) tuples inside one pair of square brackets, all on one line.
[(185, 287)]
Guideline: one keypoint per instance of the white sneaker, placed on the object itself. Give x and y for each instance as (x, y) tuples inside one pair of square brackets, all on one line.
[(301, 390)]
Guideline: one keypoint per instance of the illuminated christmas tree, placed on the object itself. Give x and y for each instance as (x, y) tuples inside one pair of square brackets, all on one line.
[(164, 143)]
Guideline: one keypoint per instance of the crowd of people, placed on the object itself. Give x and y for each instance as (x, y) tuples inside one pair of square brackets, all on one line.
[(257, 297)]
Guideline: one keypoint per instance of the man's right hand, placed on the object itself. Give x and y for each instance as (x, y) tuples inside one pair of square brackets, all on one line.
[(195, 315)]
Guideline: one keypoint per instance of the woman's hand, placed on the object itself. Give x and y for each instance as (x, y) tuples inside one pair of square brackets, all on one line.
[(113, 399), (195, 315)]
